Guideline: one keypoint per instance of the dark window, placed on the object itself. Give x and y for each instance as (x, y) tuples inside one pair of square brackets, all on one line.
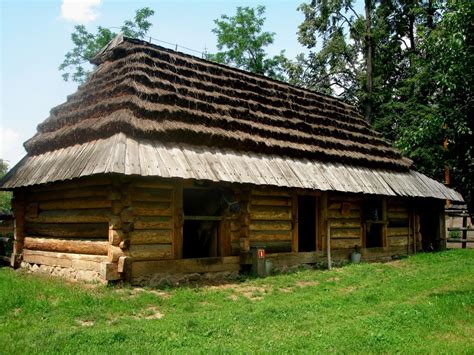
[(306, 223), (204, 209)]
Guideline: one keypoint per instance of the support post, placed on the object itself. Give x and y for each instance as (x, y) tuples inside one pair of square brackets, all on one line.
[(328, 245), (245, 222), (18, 204), (294, 216)]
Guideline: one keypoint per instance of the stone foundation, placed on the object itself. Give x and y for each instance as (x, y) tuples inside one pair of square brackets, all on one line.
[(63, 272)]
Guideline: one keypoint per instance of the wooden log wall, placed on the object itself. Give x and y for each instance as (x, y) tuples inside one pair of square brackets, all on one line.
[(399, 226), (152, 236), (344, 216), (270, 221), (66, 224)]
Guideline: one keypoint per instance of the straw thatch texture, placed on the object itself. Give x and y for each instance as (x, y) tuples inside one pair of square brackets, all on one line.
[(149, 92)]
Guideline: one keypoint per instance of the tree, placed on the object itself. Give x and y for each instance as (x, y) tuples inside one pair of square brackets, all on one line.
[(5, 196), (87, 45), (241, 42)]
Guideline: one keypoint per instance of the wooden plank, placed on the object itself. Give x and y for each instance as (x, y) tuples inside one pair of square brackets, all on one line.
[(263, 236), (151, 195), (397, 232), (153, 183), (68, 230), (76, 184), (346, 223), (345, 232), (398, 215), (76, 203), (398, 241), (322, 221), (153, 222), (336, 214), (260, 200), (270, 225), (151, 252), (201, 265), (74, 246), (261, 191), (92, 191), (294, 222), (72, 216), (178, 213), (142, 208), (270, 213), (348, 243), (151, 236), (76, 261)]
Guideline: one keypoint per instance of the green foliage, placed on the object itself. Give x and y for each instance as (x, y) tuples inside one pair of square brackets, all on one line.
[(421, 303), (422, 74), (241, 42), (87, 45), (5, 196)]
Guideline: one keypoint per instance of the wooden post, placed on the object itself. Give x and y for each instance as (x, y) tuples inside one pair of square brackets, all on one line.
[(18, 204), (442, 230), (119, 227), (385, 222), (323, 215), (294, 216), (464, 231), (328, 245), (245, 222), (178, 221)]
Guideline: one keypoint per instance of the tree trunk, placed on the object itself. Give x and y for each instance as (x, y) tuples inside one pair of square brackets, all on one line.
[(368, 59)]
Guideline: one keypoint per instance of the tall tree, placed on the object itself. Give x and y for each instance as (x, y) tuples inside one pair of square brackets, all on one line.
[(76, 65), (241, 42)]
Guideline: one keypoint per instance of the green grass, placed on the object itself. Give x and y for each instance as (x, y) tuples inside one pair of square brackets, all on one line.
[(421, 304)]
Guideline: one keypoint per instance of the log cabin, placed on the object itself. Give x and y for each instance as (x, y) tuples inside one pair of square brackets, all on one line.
[(165, 163)]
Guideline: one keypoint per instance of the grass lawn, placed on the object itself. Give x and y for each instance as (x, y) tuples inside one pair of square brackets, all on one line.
[(421, 304)]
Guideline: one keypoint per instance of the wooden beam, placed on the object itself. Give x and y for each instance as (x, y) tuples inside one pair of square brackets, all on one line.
[(178, 213), (294, 215), (67, 245), (18, 204)]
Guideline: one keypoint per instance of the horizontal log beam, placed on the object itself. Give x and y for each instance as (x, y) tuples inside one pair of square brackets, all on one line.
[(71, 216), (152, 236), (67, 245), (68, 230), (76, 261), (75, 203)]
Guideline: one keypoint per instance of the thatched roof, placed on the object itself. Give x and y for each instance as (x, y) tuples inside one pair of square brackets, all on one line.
[(151, 111), (150, 92)]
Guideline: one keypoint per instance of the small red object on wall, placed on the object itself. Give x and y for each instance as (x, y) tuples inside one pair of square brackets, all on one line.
[(261, 253)]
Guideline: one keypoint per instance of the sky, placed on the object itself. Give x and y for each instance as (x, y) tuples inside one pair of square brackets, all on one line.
[(35, 35)]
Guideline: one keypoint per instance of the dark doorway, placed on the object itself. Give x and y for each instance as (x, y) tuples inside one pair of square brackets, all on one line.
[(429, 225), (306, 223), (203, 209), (374, 235)]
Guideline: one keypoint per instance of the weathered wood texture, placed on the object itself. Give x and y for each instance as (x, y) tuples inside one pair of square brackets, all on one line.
[(155, 215), (68, 218), (70, 260), (398, 227), (271, 220), (344, 216)]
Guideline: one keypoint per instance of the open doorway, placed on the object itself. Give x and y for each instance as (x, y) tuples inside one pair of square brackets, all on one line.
[(204, 209), (374, 223), (306, 223)]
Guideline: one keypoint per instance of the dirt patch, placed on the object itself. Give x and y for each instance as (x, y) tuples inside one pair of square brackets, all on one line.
[(253, 293), (307, 283), (137, 290), (349, 289), (85, 323), (152, 312)]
